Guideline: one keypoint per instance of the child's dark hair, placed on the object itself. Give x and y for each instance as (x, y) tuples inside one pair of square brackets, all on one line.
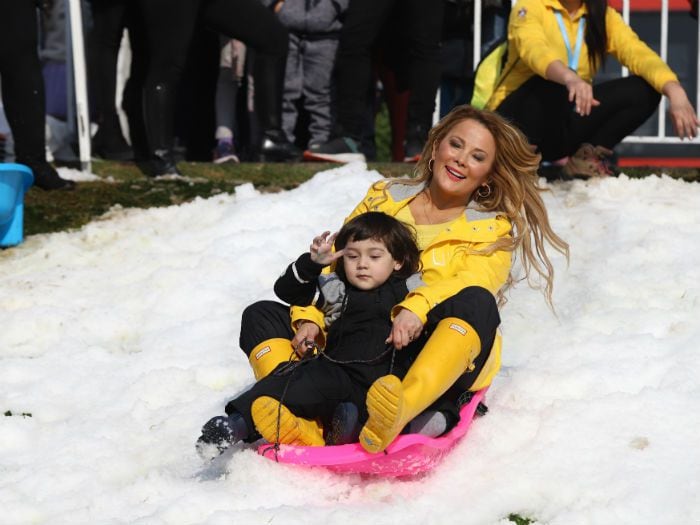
[(398, 238)]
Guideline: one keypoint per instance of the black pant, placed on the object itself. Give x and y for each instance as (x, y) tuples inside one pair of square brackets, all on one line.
[(541, 109), (110, 18), (312, 390), (170, 25), (327, 384), (22, 83), (361, 26)]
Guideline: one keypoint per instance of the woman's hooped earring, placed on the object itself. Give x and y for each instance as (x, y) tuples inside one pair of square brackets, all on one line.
[(484, 191), (431, 162)]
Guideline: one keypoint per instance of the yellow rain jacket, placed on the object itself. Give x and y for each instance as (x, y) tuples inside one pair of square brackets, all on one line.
[(447, 268), (535, 41)]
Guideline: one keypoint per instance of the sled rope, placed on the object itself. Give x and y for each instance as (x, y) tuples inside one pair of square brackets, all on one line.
[(314, 352)]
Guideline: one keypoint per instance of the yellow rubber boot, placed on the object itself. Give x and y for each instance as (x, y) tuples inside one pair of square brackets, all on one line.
[(268, 415), (265, 357), (392, 403)]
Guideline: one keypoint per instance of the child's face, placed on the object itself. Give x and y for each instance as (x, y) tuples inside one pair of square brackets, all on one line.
[(368, 264)]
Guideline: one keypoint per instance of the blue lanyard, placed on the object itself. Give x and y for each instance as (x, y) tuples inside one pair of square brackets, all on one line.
[(573, 57)]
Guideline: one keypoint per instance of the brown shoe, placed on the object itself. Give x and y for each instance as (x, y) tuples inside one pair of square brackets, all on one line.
[(589, 161)]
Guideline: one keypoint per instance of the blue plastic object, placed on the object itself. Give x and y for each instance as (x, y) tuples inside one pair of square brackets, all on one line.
[(15, 179)]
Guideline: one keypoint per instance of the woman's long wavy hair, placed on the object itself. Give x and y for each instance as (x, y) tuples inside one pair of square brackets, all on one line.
[(515, 192)]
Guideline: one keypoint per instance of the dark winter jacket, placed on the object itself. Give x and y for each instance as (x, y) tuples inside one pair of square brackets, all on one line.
[(358, 321)]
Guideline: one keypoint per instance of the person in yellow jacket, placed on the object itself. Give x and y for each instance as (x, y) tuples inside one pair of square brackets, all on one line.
[(474, 202), (555, 48)]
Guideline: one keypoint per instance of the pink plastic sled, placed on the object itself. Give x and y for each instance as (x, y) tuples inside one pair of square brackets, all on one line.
[(408, 455)]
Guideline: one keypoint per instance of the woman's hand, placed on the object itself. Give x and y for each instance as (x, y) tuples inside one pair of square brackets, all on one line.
[(406, 328), (305, 337), (581, 93), (321, 249), (685, 121)]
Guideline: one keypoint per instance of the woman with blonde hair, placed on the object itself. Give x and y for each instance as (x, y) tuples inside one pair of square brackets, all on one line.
[(474, 202)]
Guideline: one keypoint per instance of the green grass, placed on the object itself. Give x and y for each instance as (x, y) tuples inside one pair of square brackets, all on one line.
[(125, 185), (519, 520)]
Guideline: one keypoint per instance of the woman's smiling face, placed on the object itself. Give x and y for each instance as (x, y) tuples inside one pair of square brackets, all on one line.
[(463, 160)]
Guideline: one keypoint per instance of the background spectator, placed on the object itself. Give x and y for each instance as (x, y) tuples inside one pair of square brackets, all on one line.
[(23, 90), (363, 22), (554, 51)]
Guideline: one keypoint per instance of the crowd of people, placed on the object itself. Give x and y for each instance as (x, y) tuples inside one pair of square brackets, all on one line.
[(286, 80)]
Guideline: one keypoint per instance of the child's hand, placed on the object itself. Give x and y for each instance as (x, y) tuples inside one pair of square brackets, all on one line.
[(322, 249), (306, 334)]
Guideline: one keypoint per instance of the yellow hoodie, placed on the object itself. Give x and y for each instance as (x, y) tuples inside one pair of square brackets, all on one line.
[(535, 41)]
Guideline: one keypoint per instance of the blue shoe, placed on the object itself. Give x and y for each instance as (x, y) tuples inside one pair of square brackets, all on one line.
[(340, 149), (224, 152)]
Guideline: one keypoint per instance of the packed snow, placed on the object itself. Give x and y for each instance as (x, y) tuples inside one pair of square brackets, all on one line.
[(120, 340)]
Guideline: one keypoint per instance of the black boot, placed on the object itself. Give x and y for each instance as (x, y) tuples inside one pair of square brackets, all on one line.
[(219, 433), (46, 177), (344, 427), (109, 142), (269, 85), (276, 148), (158, 110)]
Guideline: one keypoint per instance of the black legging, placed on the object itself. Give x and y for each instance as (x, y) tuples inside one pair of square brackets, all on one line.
[(110, 18), (170, 24), (22, 82), (541, 109), (361, 26), (268, 319)]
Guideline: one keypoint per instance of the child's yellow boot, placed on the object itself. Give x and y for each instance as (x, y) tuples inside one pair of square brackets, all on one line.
[(277, 424), (265, 357), (392, 403)]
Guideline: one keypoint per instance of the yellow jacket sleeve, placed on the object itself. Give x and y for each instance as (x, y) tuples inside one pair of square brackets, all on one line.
[(526, 33), (487, 271), (631, 52)]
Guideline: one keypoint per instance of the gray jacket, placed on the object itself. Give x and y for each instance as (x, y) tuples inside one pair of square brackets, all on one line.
[(310, 17)]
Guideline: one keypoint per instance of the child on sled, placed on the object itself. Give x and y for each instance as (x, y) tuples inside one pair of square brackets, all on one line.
[(377, 266)]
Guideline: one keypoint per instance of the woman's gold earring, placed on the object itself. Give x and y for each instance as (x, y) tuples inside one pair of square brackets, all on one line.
[(431, 162), (484, 191)]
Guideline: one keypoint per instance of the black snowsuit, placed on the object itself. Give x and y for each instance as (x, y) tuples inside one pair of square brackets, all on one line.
[(355, 355)]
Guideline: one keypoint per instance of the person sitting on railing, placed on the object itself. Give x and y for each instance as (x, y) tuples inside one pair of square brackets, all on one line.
[(555, 48)]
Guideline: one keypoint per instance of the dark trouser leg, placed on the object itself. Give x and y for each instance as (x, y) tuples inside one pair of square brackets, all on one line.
[(625, 104), (317, 87), (22, 83), (363, 21), (311, 391), (540, 109), (250, 22), (424, 37), (262, 321), (169, 26), (132, 101), (23, 90), (109, 20)]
